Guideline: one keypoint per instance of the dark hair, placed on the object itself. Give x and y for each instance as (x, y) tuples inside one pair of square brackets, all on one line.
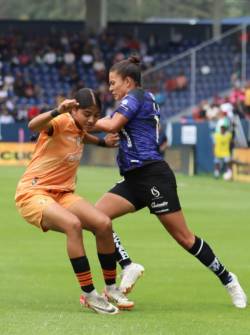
[(87, 97), (129, 68)]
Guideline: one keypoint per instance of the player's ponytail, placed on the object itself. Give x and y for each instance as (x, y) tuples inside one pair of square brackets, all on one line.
[(134, 59), (129, 68)]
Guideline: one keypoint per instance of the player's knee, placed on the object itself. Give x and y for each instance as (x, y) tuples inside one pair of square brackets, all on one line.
[(105, 226), (75, 226)]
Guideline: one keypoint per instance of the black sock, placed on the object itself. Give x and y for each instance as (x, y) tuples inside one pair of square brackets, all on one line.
[(108, 264), (83, 274), (206, 256), (121, 254)]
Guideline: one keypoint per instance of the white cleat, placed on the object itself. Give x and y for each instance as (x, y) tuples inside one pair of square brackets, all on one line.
[(130, 274), (114, 294), (97, 303), (236, 292)]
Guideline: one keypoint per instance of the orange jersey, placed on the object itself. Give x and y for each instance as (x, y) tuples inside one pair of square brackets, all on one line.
[(55, 160)]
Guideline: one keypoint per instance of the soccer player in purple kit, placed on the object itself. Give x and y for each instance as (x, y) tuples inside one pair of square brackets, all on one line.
[(148, 179)]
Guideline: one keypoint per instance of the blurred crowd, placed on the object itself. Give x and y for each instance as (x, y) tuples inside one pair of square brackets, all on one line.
[(64, 52), (236, 103)]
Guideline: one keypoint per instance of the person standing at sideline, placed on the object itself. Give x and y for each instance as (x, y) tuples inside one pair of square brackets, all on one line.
[(148, 180), (222, 154), (45, 195)]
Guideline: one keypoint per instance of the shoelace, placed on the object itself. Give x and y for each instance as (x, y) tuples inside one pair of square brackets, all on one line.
[(101, 302), (118, 295), (235, 291), (129, 276)]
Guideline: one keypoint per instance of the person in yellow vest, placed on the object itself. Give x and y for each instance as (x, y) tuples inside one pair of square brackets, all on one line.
[(222, 154)]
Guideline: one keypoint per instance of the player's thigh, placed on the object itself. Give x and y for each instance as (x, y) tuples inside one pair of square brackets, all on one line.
[(57, 218), (91, 218), (114, 205), (119, 200)]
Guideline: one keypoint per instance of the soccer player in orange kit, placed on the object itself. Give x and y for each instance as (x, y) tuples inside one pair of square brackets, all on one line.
[(45, 194)]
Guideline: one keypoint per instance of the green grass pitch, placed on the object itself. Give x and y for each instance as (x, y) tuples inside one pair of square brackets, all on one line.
[(176, 296)]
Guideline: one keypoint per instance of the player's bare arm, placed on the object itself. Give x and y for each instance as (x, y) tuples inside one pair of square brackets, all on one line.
[(41, 122), (112, 125), (110, 140)]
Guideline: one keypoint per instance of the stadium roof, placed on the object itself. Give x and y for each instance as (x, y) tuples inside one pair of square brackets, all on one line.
[(193, 21)]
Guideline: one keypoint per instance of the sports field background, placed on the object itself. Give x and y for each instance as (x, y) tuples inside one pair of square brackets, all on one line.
[(177, 295)]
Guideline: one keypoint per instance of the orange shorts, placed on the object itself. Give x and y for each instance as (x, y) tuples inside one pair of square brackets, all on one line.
[(31, 207)]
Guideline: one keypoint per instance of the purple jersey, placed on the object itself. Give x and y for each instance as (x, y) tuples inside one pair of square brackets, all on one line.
[(140, 136)]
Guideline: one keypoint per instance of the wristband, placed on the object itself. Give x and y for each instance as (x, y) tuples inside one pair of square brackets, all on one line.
[(101, 142), (54, 113)]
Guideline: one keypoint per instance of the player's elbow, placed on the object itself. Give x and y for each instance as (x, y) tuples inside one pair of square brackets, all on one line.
[(114, 128), (31, 126)]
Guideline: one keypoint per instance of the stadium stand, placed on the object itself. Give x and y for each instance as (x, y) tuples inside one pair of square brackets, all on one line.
[(38, 70)]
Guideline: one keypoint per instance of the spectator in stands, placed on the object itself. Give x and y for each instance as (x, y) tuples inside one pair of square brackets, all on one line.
[(99, 68), (69, 57), (181, 81), (50, 57), (19, 85), (22, 113), (237, 97), (31, 90), (228, 108), (118, 57), (200, 112), (148, 61), (9, 81), (14, 59), (177, 83), (10, 106), (213, 112), (24, 58), (32, 112), (6, 117), (3, 92), (87, 59), (39, 57)]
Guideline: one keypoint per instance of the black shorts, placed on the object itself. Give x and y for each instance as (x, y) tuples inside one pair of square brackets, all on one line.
[(153, 186)]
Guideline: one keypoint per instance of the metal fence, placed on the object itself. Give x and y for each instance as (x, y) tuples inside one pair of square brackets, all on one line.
[(209, 69)]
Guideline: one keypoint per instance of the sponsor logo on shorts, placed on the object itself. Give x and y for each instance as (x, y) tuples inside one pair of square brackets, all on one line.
[(156, 193), (162, 204), (162, 211)]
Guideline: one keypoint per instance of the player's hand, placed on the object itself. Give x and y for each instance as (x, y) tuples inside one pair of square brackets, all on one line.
[(112, 140), (67, 105)]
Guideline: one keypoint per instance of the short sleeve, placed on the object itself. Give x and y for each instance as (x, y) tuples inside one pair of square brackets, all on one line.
[(59, 123), (128, 107)]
